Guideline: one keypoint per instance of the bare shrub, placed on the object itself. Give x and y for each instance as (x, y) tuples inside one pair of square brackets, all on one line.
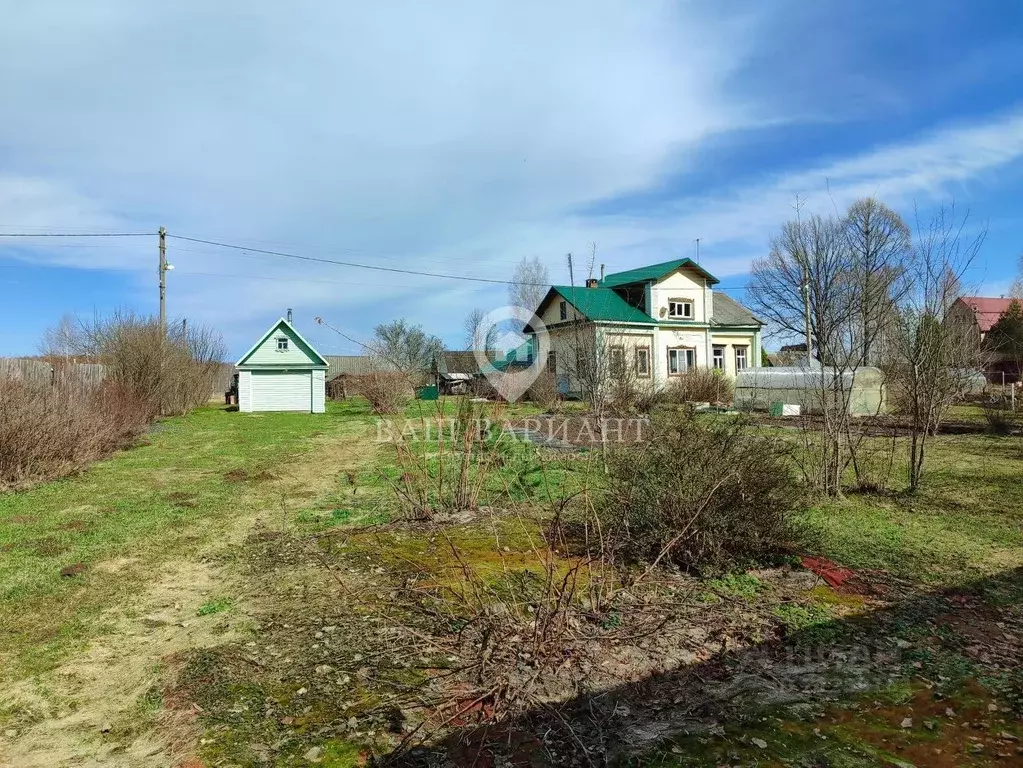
[(701, 493), (544, 391), (1000, 418), (46, 433), (700, 385), (387, 391), (649, 397), (167, 374), (461, 458)]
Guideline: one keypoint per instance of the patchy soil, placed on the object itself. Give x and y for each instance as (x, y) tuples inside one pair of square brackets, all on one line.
[(874, 426), (768, 667), (113, 703), (105, 704)]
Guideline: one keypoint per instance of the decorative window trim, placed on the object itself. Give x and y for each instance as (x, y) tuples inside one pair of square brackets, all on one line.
[(687, 304), (640, 373), (689, 352), (283, 343)]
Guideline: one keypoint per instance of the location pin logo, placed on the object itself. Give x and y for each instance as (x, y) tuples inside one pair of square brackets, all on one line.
[(524, 358)]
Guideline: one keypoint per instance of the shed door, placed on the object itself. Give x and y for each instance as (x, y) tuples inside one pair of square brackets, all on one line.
[(277, 391)]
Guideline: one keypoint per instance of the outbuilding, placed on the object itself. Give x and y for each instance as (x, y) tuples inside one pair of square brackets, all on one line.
[(282, 372)]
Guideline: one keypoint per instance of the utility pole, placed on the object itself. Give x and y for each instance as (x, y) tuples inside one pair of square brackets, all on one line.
[(163, 281), (806, 314)]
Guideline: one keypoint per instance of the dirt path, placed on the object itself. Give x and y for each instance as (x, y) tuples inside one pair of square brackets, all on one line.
[(103, 706)]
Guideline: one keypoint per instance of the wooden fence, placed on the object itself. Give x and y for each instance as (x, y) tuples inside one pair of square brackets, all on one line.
[(40, 374)]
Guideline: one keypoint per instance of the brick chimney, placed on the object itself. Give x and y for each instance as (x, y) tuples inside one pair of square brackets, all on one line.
[(592, 282)]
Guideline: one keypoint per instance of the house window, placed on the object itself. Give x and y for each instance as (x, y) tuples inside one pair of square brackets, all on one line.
[(680, 309), (282, 344), (740, 358), (552, 361), (563, 309), (617, 361), (643, 362), (680, 360), (719, 358)]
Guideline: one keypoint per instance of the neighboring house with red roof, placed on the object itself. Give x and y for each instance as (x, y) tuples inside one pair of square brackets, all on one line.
[(982, 312)]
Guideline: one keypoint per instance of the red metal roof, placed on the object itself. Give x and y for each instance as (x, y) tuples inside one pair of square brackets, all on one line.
[(986, 310)]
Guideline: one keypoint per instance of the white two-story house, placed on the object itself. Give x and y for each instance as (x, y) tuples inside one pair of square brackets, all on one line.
[(654, 323)]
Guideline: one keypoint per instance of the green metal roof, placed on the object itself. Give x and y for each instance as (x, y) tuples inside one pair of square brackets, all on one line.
[(602, 304), (654, 272)]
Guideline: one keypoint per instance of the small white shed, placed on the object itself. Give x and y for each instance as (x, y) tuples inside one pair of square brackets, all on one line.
[(282, 372)]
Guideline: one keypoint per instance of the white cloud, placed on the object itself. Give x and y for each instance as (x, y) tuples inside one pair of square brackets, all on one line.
[(419, 131), (447, 136)]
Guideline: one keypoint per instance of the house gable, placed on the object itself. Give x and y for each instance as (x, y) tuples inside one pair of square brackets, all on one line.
[(282, 347), (655, 273)]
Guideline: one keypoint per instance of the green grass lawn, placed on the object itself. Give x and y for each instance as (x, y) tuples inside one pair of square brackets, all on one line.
[(170, 495), (966, 521), (199, 480)]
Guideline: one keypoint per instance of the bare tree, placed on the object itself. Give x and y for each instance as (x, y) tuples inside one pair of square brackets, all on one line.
[(936, 350), (529, 284), (809, 260), (1016, 290), (879, 241), (59, 342), (476, 336), (841, 277), (405, 346)]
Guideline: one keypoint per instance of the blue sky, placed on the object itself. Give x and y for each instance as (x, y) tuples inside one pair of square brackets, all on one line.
[(461, 137)]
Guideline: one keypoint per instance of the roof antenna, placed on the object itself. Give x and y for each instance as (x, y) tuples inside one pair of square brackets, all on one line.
[(698, 250)]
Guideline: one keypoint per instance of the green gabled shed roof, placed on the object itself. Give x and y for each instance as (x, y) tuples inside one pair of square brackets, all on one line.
[(602, 304), (654, 272)]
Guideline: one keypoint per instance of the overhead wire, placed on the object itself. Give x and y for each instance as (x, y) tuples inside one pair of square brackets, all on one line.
[(353, 264), (245, 251)]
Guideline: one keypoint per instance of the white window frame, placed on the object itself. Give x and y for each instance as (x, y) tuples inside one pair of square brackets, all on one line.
[(643, 371), (283, 343), (741, 353), (688, 309), (685, 360), (719, 357)]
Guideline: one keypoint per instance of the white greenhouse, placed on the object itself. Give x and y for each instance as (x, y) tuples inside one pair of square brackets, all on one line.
[(808, 387)]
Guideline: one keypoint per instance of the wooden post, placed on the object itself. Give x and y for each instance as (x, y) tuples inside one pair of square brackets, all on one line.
[(163, 280)]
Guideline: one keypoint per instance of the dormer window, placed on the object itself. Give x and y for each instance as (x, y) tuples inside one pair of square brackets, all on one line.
[(282, 343), (680, 309)]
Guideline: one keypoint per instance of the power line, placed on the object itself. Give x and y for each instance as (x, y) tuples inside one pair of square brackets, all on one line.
[(300, 257), (356, 265), (77, 234)]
